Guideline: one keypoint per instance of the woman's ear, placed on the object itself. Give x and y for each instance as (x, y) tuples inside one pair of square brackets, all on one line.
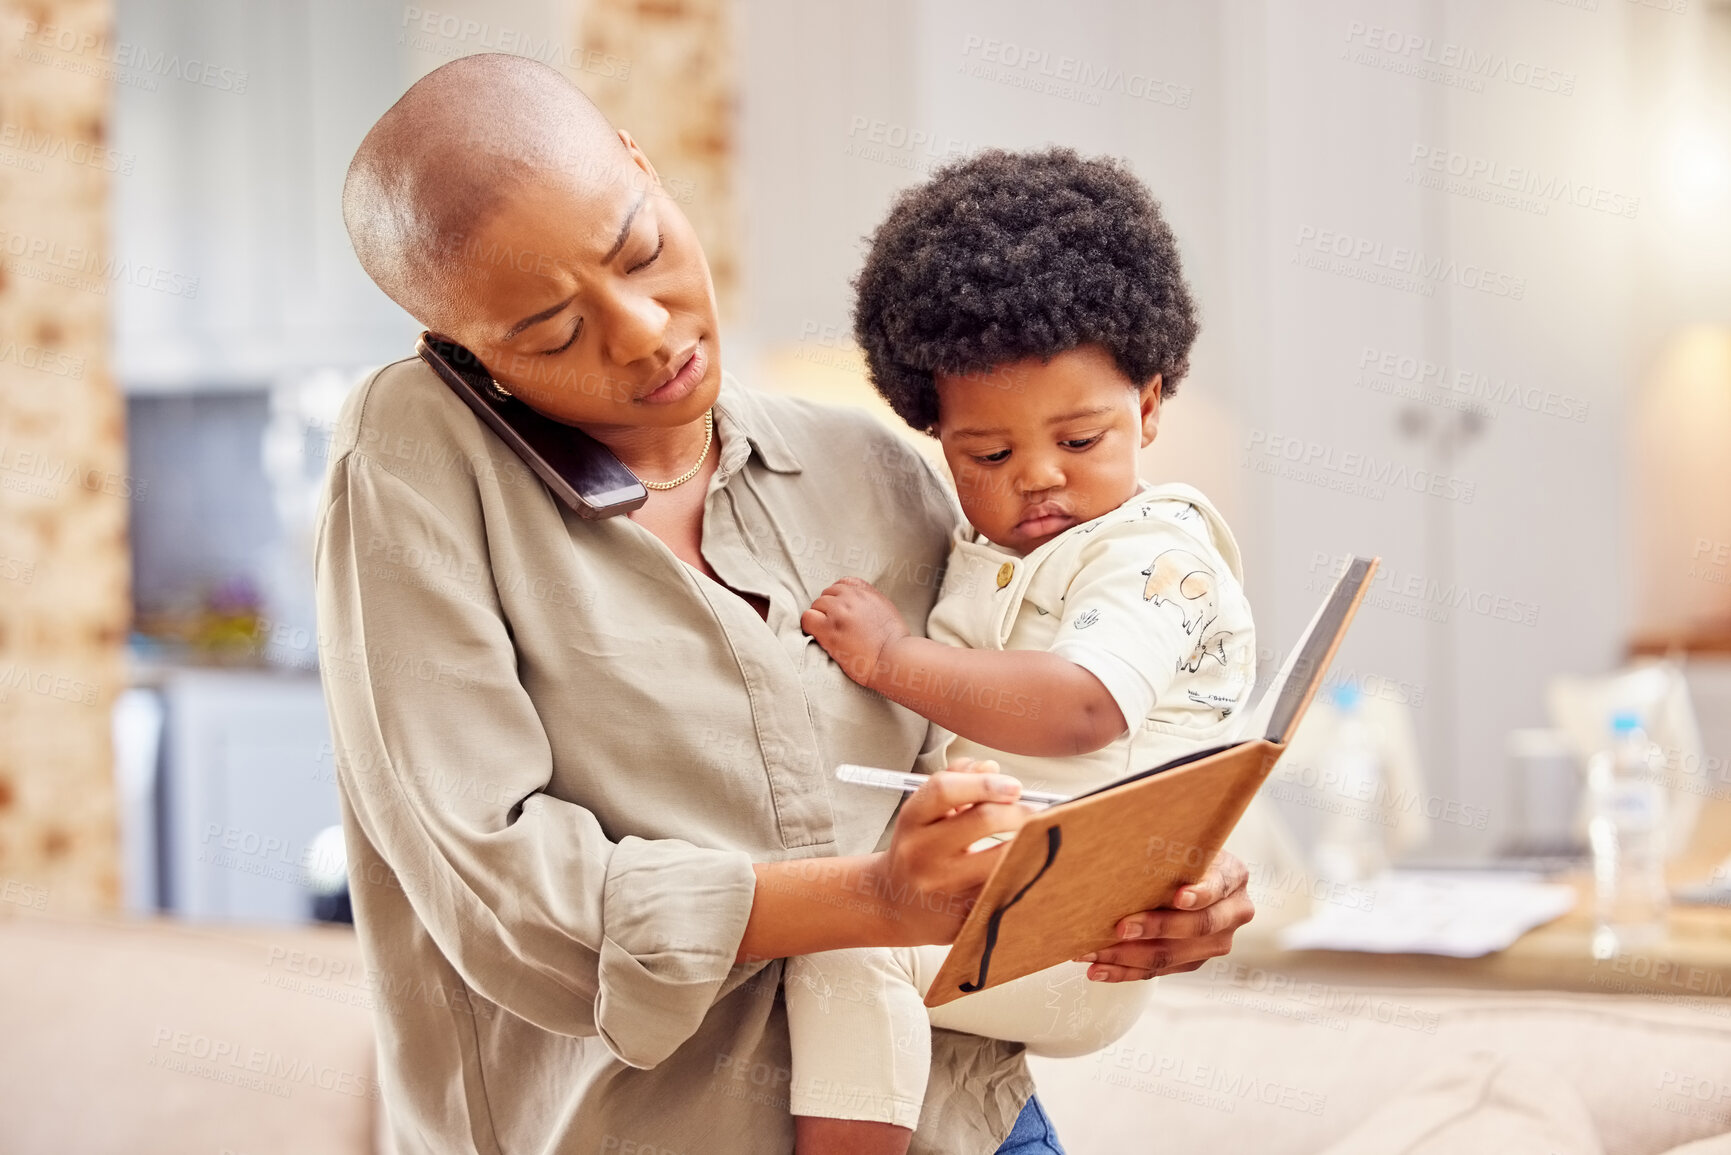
[(639, 157), (1151, 410)]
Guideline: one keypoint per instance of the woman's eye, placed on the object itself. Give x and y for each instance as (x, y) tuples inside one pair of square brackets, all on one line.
[(991, 458), (1079, 442), (650, 259), (575, 330)]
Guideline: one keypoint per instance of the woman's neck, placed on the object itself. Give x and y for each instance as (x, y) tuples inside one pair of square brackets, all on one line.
[(653, 453)]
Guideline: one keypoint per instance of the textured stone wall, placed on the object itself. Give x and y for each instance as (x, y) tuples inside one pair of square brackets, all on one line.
[(64, 493), (678, 101)]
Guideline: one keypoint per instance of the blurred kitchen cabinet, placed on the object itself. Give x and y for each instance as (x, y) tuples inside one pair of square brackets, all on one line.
[(247, 781)]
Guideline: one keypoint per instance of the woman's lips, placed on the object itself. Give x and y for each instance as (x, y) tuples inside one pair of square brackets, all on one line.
[(680, 385)]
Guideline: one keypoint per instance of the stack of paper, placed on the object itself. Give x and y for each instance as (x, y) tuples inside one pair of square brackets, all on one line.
[(1460, 915)]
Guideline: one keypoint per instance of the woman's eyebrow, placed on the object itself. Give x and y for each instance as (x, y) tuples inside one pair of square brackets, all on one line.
[(618, 243), (538, 318), (625, 229)]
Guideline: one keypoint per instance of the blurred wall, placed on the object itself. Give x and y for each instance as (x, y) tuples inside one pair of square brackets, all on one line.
[(680, 108), (64, 492)]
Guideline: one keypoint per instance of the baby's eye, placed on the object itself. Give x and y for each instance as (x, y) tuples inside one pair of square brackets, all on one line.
[(1079, 442), (991, 458)]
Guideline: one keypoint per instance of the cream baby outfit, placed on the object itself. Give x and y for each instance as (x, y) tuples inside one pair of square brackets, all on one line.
[(1147, 598)]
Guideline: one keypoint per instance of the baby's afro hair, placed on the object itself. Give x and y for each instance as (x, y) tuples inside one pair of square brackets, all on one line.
[(1003, 256)]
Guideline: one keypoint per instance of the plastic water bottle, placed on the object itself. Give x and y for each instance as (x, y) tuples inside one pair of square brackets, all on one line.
[(1353, 846), (1627, 833)]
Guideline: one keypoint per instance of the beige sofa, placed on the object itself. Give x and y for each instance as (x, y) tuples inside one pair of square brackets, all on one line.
[(139, 1038), (1220, 1066)]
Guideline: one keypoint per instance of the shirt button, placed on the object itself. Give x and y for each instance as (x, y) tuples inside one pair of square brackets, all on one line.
[(1005, 573)]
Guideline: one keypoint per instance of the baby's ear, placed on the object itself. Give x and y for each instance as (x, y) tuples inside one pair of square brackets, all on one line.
[(1150, 406)]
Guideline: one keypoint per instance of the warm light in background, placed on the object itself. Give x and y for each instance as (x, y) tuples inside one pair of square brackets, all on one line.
[(1680, 512)]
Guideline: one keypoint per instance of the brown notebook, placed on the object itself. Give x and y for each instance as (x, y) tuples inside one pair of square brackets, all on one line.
[(1078, 867)]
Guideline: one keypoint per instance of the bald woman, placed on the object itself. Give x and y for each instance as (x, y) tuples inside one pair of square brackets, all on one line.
[(584, 765)]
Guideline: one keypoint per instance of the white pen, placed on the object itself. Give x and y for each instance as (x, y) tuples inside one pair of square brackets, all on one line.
[(908, 783)]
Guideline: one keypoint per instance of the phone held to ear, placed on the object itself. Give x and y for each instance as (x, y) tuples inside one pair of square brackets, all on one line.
[(581, 472)]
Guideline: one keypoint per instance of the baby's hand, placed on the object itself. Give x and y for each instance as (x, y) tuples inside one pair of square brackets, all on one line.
[(856, 624)]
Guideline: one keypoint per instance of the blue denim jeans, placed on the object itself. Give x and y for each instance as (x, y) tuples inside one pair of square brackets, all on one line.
[(1032, 1134)]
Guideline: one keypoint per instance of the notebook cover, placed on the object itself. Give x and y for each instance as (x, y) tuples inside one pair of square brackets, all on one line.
[(1077, 868)]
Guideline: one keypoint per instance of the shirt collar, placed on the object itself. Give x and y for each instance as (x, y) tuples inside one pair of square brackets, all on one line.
[(740, 412)]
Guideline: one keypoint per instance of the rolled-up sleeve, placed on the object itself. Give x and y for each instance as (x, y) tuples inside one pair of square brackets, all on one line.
[(445, 764)]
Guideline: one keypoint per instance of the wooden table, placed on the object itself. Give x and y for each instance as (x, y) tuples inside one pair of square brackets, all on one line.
[(1693, 961)]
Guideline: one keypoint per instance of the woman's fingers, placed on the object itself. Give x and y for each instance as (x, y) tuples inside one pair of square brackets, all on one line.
[(1175, 940), (1225, 875), (946, 816), (981, 820), (968, 872), (948, 790), (1227, 915), (1165, 941), (1142, 960)]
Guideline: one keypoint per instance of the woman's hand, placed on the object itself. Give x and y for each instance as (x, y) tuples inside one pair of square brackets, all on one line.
[(1197, 926), (928, 878), (856, 624)]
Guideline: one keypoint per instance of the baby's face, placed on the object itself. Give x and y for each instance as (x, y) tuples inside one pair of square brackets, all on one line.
[(1037, 447)]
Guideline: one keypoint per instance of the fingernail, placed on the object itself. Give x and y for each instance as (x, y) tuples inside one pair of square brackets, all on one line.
[(1133, 930), (1186, 899), (1089, 957), (1003, 786), (987, 766), (1098, 973)]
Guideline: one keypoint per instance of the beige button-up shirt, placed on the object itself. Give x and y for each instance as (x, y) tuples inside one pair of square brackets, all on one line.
[(560, 749)]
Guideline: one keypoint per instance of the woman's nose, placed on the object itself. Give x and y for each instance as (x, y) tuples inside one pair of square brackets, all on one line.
[(636, 328)]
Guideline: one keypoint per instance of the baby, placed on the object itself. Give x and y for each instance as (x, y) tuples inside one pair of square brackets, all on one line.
[(1029, 311)]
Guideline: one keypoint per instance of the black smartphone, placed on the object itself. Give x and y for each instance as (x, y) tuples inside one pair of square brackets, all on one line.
[(581, 472)]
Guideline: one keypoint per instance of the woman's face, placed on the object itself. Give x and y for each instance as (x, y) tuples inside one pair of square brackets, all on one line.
[(590, 299)]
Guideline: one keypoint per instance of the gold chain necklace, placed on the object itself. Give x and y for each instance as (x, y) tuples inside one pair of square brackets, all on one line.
[(708, 436)]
